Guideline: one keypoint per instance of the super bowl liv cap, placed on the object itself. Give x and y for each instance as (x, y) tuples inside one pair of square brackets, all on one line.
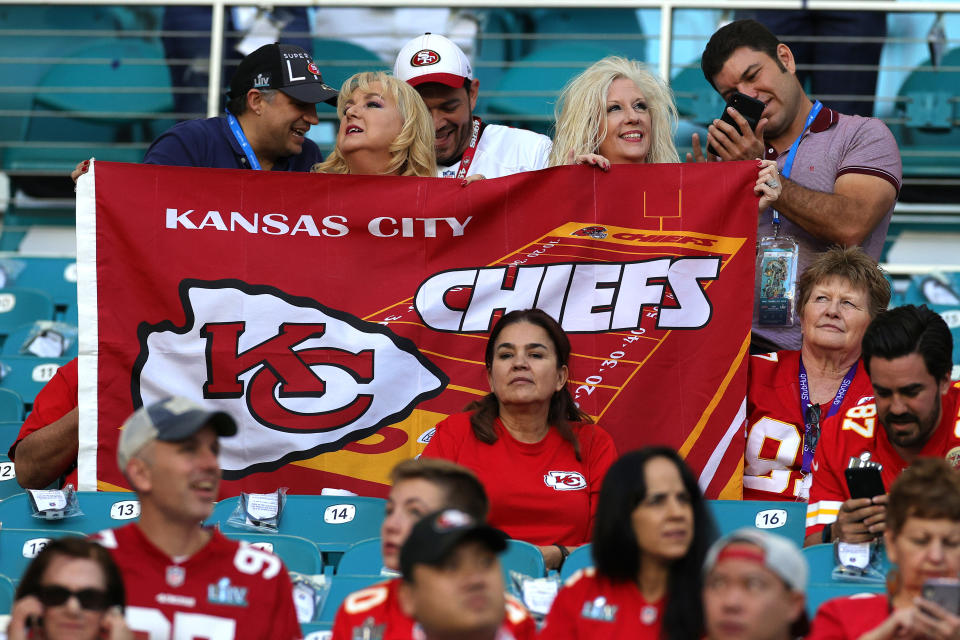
[(436, 536), (169, 420), (776, 553), (285, 67), (432, 58)]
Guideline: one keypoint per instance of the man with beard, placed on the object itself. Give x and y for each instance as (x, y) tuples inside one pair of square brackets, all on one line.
[(906, 352), (442, 75)]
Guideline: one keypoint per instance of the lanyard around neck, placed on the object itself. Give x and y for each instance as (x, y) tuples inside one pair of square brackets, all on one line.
[(242, 140), (811, 433), (471, 149), (791, 155)]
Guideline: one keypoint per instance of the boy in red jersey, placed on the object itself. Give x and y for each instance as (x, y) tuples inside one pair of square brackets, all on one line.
[(183, 580), (907, 352), (418, 487)]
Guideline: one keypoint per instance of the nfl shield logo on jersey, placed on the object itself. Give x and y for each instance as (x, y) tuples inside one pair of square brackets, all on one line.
[(176, 575)]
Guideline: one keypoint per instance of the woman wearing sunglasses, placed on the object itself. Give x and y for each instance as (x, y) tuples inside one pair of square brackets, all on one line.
[(72, 589)]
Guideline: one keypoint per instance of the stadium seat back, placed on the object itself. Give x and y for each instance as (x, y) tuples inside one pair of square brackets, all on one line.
[(340, 587), (101, 510), (6, 595), (523, 558), (8, 479), (21, 305), (784, 518), (579, 558), (56, 276), (694, 96), (298, 554), (20, 546), (340, 59), (363, 558), (589, 26), (11, 413), (19, 337), (28, 374)]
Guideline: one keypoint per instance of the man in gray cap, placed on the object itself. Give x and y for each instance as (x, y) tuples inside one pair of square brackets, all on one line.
[(452, 581), (754, 588), (183, 580)]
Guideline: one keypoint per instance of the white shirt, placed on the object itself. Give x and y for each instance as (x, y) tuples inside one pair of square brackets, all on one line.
[(503, 151)]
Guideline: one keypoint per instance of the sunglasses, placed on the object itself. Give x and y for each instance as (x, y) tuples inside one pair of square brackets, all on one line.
[(90, 599), (812, 417)]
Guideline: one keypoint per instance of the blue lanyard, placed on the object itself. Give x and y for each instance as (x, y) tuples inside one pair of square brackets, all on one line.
[(242, 140), (788, 163), (811, 432)]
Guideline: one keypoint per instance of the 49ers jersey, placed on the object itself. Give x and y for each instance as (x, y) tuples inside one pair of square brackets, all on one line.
[(225, 591), (773, 456), (375, 612), (860, 432)]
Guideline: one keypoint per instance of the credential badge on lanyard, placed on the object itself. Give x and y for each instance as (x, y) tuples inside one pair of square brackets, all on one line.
[(775, 287)]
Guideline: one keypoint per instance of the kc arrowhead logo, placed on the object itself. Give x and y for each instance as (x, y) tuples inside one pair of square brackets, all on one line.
[(300, 378)]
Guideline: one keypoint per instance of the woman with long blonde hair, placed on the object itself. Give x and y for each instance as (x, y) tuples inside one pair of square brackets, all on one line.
[(385, 129), (618, 112)]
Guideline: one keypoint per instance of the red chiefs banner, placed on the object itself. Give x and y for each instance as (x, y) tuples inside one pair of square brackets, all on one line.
[(339, 318)]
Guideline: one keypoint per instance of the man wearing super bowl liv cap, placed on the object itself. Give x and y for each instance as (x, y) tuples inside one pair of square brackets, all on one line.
[(440, 71), (754, 588), (183, 580), (272, 104)]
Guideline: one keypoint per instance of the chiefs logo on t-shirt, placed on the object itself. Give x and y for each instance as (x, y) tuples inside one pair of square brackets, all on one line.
[(565, 480)]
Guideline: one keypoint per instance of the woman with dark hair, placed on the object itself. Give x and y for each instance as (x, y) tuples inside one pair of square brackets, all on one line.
[(538, 456), (651, 537), (71, 590)]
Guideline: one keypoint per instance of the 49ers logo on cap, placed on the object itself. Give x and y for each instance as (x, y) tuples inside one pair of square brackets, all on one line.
[(565, 480), (312, 68), (424, 58), (300, 378)]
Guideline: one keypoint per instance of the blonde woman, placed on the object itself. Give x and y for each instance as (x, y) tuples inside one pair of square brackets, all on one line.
[(385, 129), (617, 112)]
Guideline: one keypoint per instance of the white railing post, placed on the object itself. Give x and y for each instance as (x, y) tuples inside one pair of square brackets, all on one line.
[(216, 59), (666, 39)]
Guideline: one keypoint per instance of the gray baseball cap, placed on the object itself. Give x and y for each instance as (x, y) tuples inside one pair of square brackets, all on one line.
[(776, 553), (169, 420)]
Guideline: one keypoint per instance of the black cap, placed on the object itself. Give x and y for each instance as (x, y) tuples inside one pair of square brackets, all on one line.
[(436, 536), (285, 67)]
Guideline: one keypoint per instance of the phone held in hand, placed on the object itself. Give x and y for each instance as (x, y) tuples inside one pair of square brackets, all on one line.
[(750, 108), (864, 482), (943, 591)]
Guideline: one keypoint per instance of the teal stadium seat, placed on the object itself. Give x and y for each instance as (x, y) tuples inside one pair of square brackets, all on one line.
[(787, 519), (6, 595), (340, 59), (822, 587), (929, 140), (333, 523), (523, 558), (617, 30), (940, 292), (28, 374), (18, 338), (340, 587), (298, 554), (362, 559), (11, 413), (101, 510), (20, 546), (21, 305), (579, 558), (694, 96), (55, 276)]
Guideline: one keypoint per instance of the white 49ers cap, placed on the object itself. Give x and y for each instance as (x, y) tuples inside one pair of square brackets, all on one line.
[(432, 58)]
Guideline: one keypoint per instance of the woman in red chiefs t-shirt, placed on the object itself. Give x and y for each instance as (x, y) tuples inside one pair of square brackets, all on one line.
[(652, 535), (538, 456)]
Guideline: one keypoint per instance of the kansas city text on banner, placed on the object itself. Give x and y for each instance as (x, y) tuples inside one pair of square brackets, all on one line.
[(338, 318)]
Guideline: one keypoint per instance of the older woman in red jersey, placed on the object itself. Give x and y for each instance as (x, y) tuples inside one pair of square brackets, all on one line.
[(792, 395), (923, 541), (539, 457)]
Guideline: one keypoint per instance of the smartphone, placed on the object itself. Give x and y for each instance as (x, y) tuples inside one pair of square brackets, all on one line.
[(864, 482), (749, 108), (944, 591)]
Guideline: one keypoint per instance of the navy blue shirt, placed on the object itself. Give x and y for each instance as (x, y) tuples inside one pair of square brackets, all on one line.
[(210, 143)]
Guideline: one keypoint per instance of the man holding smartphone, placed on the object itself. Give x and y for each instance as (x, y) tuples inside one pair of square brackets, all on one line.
[(906, 352), (841, 174)]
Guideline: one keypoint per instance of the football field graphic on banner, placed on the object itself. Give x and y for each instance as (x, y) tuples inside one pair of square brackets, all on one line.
[(339, 318)]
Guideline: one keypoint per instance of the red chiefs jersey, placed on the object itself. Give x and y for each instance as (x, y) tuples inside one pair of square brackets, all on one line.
[(774, 453), (225, 591), (850, 617), (861, 432), (592, 606), (538, 492), (376, 610), (57, 398)]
